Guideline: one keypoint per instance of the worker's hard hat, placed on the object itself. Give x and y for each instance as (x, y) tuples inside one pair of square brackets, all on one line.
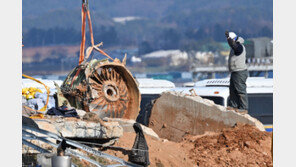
[(232, 35)]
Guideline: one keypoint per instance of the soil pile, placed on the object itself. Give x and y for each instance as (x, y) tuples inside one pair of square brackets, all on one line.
[(162, 153), (242, 145)]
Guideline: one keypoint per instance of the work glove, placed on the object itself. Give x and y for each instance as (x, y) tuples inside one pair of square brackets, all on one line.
[(226, 34)]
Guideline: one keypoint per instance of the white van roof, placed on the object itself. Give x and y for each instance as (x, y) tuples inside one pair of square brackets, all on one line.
[(154, 86), (154, 83), (204, 91), (251, 82), (219, 87)]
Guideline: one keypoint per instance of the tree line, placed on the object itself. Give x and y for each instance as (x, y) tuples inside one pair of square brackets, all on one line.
[(202, 39)]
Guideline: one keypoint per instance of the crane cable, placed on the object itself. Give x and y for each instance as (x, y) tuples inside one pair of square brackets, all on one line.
[(85, 12)]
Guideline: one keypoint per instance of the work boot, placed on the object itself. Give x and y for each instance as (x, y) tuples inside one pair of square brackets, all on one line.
[(241, 111)]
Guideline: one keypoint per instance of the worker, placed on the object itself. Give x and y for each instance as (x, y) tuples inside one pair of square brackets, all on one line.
[(238, 100)]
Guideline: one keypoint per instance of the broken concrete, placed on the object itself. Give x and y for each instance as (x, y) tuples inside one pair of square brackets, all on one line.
[(80, 113), (127, 125), (44, 159), (175, 114), (77, 128)]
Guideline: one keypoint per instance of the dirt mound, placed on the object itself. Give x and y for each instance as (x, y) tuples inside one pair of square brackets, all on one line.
[(242, 145), (162, 153)]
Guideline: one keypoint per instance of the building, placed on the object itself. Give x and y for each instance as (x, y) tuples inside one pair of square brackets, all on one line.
[(259, 47)]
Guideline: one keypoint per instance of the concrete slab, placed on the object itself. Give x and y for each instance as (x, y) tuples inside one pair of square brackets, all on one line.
[(77, 128), (176, 114)]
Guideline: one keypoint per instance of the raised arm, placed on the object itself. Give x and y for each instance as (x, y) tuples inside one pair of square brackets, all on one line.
[(236, 46)]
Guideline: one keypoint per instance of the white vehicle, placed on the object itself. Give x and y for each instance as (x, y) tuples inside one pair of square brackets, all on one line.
[(150, 90), (260, 96)]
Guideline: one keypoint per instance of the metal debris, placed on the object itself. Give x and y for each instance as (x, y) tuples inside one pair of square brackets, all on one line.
[(105, 88)]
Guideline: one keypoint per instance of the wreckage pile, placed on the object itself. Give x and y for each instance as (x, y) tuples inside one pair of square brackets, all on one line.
[(103, 100), (239, 142), (217, 137)]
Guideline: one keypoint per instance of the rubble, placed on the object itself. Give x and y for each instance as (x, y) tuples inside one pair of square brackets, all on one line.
[(175, 114), (81, 113), (77, 128), (44, 159), (183, 130), (127, 125)]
